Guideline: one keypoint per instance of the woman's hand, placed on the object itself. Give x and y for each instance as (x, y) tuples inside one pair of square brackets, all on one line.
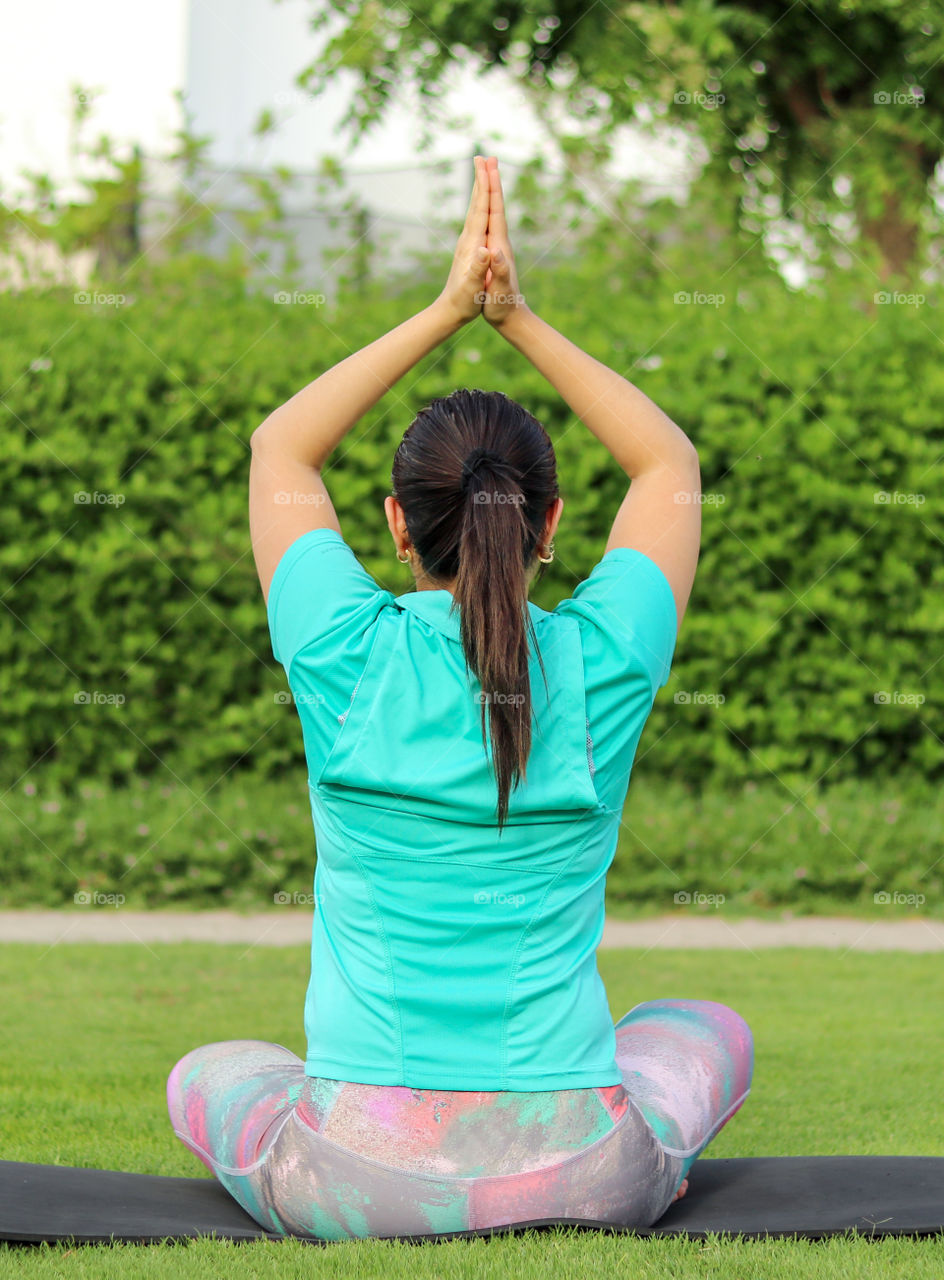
[(463, 294), (501, 298)]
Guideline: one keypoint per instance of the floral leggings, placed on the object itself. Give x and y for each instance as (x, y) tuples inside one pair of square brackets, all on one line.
[(312, 1157)]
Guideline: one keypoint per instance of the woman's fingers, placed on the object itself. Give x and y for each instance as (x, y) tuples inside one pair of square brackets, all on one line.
[(476, 219), (497, 226)]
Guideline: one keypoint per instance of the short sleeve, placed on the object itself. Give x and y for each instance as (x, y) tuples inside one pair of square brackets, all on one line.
[(320, 592), (628, 607), (628, 627)]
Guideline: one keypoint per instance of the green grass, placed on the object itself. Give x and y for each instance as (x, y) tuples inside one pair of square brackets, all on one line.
[(563, 1254), (847, 1061), (244, 840)]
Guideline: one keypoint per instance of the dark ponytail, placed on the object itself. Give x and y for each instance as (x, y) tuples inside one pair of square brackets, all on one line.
[(475, 474)]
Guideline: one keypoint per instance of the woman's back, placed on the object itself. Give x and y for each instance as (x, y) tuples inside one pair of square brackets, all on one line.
[(452, 954)]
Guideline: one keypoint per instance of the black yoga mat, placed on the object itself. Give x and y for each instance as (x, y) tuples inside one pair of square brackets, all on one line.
[(768, 1196)]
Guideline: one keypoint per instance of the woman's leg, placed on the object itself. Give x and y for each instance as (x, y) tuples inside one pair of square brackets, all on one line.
[(687, 1065), (226, 1101)]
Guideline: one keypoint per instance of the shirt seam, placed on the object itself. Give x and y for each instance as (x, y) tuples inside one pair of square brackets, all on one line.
[(343, 719), (388, 964), (597, 810), (473, 1082), (590, 763), (513, 975), (322, 636), (457, 862), (442, 627)]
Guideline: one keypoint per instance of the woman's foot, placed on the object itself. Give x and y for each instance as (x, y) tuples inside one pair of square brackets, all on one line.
[(681, 1191)]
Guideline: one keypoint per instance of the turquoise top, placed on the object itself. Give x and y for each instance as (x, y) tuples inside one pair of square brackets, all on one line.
[(444, 955)]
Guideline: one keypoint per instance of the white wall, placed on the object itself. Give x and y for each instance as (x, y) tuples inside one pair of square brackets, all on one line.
[(133, 49), (233, 58)]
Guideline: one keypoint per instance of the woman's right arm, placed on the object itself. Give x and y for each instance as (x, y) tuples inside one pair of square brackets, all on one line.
[(661, 514)]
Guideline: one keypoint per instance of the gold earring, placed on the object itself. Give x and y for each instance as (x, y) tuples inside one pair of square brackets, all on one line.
[(409, 556), (550, 555)]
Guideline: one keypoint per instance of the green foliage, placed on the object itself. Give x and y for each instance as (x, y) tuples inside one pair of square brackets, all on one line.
[(124, 539), (786, 98)]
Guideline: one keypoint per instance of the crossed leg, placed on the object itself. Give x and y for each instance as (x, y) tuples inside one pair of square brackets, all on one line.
[(687, 1065)]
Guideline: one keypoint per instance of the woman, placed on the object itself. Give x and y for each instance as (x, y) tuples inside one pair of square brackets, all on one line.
[(469, 756)]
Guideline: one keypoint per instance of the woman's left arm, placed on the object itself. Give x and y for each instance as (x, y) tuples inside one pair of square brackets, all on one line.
[(287, 496)]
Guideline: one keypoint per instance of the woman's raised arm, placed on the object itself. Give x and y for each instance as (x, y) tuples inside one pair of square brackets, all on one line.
[(661, 514), (316, 419), (287, 496)]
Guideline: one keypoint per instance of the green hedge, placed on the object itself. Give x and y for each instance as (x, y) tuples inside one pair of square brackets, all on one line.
[(811, 598)]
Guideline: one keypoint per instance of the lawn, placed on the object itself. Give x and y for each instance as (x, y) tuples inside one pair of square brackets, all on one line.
[(847, 1061)]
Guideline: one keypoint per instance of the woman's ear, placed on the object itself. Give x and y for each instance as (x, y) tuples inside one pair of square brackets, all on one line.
[(553, 519), (390, 511), (396, 521)]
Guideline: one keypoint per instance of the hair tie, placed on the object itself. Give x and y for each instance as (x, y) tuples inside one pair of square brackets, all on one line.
[(470, 468)]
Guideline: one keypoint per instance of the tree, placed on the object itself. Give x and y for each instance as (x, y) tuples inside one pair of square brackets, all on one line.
[(810, 109)]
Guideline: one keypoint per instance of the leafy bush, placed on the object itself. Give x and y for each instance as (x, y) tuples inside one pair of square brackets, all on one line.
[(814, 596)]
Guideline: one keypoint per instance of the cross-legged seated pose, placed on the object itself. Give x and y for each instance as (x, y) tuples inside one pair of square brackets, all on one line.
[(469, 757)]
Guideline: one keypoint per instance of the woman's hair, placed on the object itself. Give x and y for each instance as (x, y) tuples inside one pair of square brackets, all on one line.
[(475, 475)]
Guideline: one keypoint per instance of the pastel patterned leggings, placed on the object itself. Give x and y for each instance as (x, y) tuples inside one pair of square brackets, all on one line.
[(321, 1158)]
